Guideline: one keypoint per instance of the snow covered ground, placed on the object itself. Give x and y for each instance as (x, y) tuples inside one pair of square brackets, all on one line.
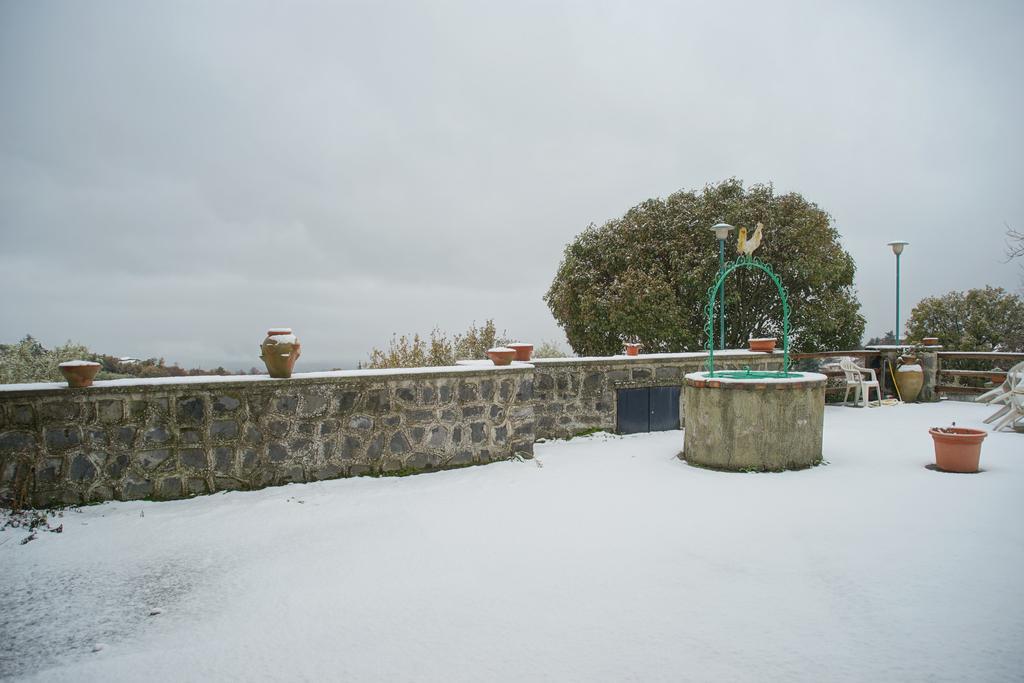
[(613, 561)]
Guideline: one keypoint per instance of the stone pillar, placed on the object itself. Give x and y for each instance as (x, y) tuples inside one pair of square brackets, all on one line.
[(887, 359), (929, 356)]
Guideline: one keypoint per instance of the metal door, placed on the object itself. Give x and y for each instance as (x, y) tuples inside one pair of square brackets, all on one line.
[(650, 409), (633, 411), (664, 408)]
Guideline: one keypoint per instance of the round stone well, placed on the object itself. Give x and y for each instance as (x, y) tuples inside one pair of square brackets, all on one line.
[(753, 423)]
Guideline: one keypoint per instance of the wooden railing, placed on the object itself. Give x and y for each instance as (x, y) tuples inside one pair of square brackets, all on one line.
[(865, 359), (1001, 360), (948, 380)]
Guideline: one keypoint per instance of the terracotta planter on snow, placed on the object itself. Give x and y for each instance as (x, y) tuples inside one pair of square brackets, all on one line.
[(957, 449), (764, 344), (633, 349)]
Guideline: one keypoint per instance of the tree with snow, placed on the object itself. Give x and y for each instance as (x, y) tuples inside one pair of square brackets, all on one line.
[(986, 319), (30, 361), (646, 275)]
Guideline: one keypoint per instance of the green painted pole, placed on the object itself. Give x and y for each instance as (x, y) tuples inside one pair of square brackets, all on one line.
[(721, 267), (897, 332)]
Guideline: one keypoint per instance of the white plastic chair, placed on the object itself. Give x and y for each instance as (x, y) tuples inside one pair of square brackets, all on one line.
[(861, 387), (1003, 393), (1014, 408), (1013, 375)]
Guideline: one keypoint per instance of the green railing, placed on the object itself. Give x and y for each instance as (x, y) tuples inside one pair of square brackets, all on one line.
[(745, 261)]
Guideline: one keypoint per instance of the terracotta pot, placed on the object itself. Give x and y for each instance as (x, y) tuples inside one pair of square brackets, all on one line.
[(501, 355), (633, 349), (79, 373), (909, 380), (957, 449), (930, 341), (765, 344), (997, 376), (523, 351), (279, 352)]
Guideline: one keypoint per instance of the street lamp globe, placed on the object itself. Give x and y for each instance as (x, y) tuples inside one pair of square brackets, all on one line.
[(722, 231), (897, 246)]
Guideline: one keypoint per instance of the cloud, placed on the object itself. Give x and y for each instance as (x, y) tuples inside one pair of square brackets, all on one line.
[(198, 171)]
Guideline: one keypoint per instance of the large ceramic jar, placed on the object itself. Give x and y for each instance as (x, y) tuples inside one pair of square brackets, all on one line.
[(279, 352), (909, 379)]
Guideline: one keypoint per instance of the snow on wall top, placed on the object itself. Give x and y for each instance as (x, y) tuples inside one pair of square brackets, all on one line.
[(461, 367), (688, 355), (226, 379), (802, 377)]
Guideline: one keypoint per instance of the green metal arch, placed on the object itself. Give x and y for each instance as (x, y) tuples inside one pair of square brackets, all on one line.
[(744, 261)]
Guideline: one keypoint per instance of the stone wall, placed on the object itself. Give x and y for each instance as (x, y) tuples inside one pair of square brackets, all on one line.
[(574, 395), (124, 440), (131, 439)]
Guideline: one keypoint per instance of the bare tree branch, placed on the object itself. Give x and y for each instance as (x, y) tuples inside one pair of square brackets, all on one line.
[(1014, 244)]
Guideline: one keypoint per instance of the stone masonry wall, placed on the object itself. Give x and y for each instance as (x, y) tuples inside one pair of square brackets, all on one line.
[(130, 439), (125, 441), (574, 395)]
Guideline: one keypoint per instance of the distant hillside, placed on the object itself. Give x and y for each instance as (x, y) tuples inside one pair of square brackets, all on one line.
[(29, 361)]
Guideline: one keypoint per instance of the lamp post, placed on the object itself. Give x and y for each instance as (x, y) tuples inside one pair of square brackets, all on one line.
[(721, 231), (897, 248)]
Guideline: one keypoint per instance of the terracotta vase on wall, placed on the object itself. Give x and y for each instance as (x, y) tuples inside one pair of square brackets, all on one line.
[(501, 355), (279, 352), (765, 344), (79, 373), (523, 351)]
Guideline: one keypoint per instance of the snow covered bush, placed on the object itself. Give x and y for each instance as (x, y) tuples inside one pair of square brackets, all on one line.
[(30, 361), (415, 351)]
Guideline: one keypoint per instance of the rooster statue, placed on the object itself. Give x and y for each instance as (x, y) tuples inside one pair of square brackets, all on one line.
[(745, 246)]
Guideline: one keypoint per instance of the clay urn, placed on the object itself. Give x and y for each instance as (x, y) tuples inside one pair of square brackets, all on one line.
[(523, 351), (930, 341), (764, 344), (79, 373), (909, 378), (501, 355), (279, 352), (633, 349), (957, 449)]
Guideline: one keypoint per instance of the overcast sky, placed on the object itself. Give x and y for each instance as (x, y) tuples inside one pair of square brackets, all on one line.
[(177, 177)]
